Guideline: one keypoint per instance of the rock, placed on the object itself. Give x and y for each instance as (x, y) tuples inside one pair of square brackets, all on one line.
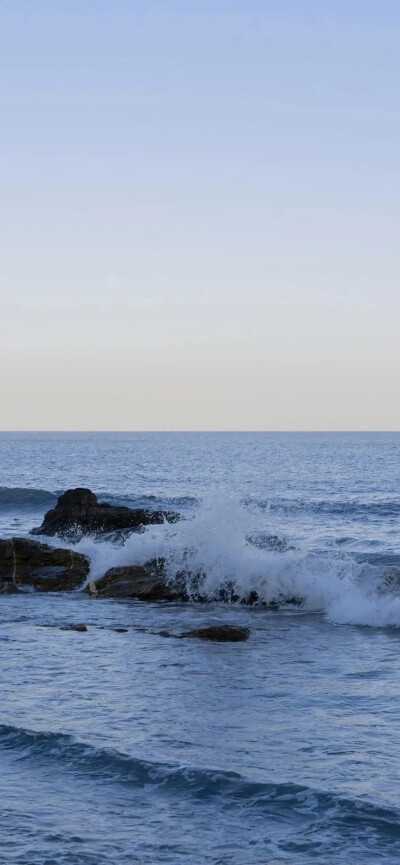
[(220, 633), (133, 581), (80, 627), (121, 630), (8, 588), (78, 512), (29, 563)]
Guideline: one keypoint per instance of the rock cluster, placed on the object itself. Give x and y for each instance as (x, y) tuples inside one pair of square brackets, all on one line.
[(27, 564)]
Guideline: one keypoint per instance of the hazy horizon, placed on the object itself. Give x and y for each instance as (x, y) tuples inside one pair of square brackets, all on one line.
[(199, 216)]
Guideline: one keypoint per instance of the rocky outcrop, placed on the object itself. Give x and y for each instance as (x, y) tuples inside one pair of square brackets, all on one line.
[(47, 569), (220, 633), (78, 512), (134, 581)]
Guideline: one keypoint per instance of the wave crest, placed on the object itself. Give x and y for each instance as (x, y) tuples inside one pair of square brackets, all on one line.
[(26, 497)]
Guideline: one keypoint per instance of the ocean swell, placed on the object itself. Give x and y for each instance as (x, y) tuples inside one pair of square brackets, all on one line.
[(324, 811), (26, 498)]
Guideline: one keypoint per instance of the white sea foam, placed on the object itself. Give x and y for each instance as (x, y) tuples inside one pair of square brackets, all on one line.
[(214, 543)]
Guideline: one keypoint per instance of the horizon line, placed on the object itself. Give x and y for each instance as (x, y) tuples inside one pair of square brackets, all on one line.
[(200, 431)]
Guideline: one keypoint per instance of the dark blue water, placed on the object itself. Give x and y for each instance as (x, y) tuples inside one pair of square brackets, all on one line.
[(133, 748)]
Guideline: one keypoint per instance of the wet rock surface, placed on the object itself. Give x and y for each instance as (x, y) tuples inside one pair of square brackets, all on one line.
[(219, 633), (134, 581), (79, 512), (24, 562)]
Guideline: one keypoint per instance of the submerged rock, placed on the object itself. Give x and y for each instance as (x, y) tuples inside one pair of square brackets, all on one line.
[(133, 581), (220, 633), (81, 627), (29, 563), (79, 512)]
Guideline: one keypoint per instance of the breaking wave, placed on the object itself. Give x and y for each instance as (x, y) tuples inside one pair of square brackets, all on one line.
[(220, 552)]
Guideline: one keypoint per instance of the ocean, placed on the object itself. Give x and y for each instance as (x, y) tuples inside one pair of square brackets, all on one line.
[(127, 747)]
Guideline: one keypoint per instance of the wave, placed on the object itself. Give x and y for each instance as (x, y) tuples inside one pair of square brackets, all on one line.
[(32, 497), (280, 799), (350, 507), (225, 549), (149, 501), (26, 497), (344, 507), (219, 552)]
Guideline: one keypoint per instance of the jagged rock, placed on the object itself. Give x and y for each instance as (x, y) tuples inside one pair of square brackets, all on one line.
[(133, 581), (220, 633), (29, 563), (79, 512)]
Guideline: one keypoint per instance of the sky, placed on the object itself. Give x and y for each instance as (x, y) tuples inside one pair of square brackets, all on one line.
[(199, 214)]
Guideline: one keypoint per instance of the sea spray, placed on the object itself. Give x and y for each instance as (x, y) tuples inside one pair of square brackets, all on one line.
[(214, 550)]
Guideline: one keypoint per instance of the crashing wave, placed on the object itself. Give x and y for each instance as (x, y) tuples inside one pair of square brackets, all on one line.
[(215, 556)]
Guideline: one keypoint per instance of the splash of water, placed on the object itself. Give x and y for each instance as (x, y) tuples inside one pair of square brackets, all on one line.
[(215, 548)]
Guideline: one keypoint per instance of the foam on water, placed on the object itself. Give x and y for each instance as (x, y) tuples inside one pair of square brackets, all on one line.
[(217, 543)]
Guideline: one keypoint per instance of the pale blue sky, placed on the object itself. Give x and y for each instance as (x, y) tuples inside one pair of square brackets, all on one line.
[(199, 214)]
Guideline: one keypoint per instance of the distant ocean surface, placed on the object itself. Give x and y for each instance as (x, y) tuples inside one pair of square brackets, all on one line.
[(131, 748)]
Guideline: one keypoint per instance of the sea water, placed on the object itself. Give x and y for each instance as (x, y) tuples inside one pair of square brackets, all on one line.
[(127, 747)]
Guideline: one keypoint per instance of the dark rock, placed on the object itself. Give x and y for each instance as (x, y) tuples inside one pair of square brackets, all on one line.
[(28, 563), (81, 627), (220, 633), (121, 630), (78, 512), (8, 588), (134, 581)]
